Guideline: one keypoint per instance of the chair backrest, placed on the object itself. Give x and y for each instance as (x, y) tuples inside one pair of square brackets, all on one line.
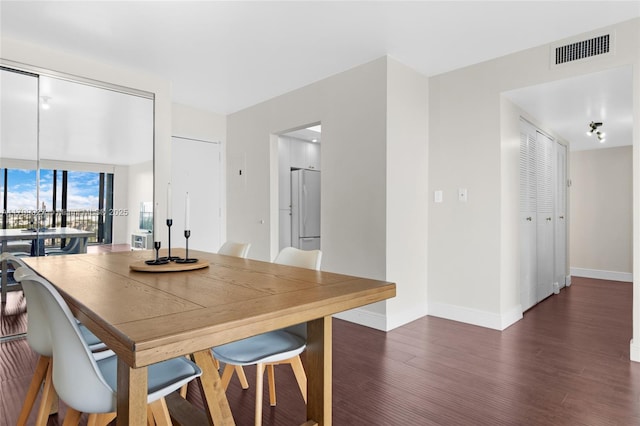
[(292, 256), (38, 335), (232, 248), (309, 259), (76, 376), (73, 247), (15, 261)]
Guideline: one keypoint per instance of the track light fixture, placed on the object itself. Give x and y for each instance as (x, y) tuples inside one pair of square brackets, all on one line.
[(594, 128)]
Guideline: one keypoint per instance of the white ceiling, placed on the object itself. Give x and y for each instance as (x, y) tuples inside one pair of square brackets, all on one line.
[(225, 56), (566, 107)]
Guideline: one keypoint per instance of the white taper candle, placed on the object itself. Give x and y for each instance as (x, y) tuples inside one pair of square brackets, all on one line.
[(169, 202), (186, 213)]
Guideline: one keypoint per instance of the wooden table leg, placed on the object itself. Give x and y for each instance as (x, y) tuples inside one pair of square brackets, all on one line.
[(319, 370), (213, 394), (132, 395)]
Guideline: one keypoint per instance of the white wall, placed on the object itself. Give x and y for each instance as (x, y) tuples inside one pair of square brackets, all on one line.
[(602, 225), (30, 54), (356, 175), (351, 107), (194, 123), (407, 192), (473, 245)]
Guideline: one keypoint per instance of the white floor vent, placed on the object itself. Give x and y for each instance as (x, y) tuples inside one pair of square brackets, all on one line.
[(583, 49)]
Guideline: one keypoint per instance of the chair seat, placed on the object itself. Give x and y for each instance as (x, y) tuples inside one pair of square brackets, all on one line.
[(163, 377), (88, 336), (268, 347), (97, 346)]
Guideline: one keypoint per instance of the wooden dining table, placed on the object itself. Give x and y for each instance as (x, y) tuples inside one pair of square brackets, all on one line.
[(148, 317)]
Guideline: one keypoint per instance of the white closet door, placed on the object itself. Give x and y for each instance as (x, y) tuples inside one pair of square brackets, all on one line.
[(528, 220), (196, 168), (545, 215), (561, 217)]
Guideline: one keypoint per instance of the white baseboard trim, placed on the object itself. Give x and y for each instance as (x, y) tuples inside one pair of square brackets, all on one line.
[(475, 316), (405, 316), (364, 317), (379, 321), (602, 275), (635, 351), (567, 280)]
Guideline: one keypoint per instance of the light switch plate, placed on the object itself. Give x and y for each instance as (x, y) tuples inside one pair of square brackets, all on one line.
[(462, 195), (437, 196)]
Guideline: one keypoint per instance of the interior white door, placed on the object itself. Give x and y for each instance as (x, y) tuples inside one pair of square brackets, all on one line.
[(545, 215), (197, 170), (528, 220), (561, 217)]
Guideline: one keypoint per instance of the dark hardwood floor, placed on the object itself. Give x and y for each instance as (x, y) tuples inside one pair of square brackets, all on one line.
[(566, 363)]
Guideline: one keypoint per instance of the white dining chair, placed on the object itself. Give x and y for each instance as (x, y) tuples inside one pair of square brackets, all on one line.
[(39, 339), (236, 249), (266, 350), (233, 248), (86, 384), (12, 260), (9, 262), (74, 247)]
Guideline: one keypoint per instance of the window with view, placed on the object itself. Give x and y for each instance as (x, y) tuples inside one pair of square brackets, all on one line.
[(74, 199)]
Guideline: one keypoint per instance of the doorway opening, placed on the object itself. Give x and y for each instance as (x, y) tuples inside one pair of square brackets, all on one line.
[(299, 179), (600, 170)]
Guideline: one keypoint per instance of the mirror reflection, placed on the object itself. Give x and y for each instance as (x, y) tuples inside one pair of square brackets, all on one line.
[(103, 140), (76, 167)]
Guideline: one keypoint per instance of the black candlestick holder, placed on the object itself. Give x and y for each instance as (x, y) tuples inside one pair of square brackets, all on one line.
[(157, 260), (186, 259), (168, 257)]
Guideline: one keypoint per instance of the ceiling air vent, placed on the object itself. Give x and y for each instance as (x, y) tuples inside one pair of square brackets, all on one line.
[(583, 49)]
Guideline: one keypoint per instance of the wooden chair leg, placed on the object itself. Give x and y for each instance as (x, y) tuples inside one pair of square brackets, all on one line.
[(55, 403), (38, 377), (243, 379), (185, 388), (47, 398), (100, 419), (150, 420), (271, 378), (227, 373), (301, 376), (72, 417), (160, 412), (183, 391), (259, 385)]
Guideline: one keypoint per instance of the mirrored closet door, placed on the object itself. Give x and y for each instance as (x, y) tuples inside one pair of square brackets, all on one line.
[(76, 168)]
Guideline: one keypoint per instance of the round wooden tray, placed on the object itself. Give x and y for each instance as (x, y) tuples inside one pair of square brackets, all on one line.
[(141, 266)]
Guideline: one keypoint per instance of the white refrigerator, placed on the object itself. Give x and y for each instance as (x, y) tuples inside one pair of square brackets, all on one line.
[(305, 209)]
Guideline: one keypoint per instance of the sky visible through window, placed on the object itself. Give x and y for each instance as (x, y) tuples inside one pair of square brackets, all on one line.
[(82, 190)]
